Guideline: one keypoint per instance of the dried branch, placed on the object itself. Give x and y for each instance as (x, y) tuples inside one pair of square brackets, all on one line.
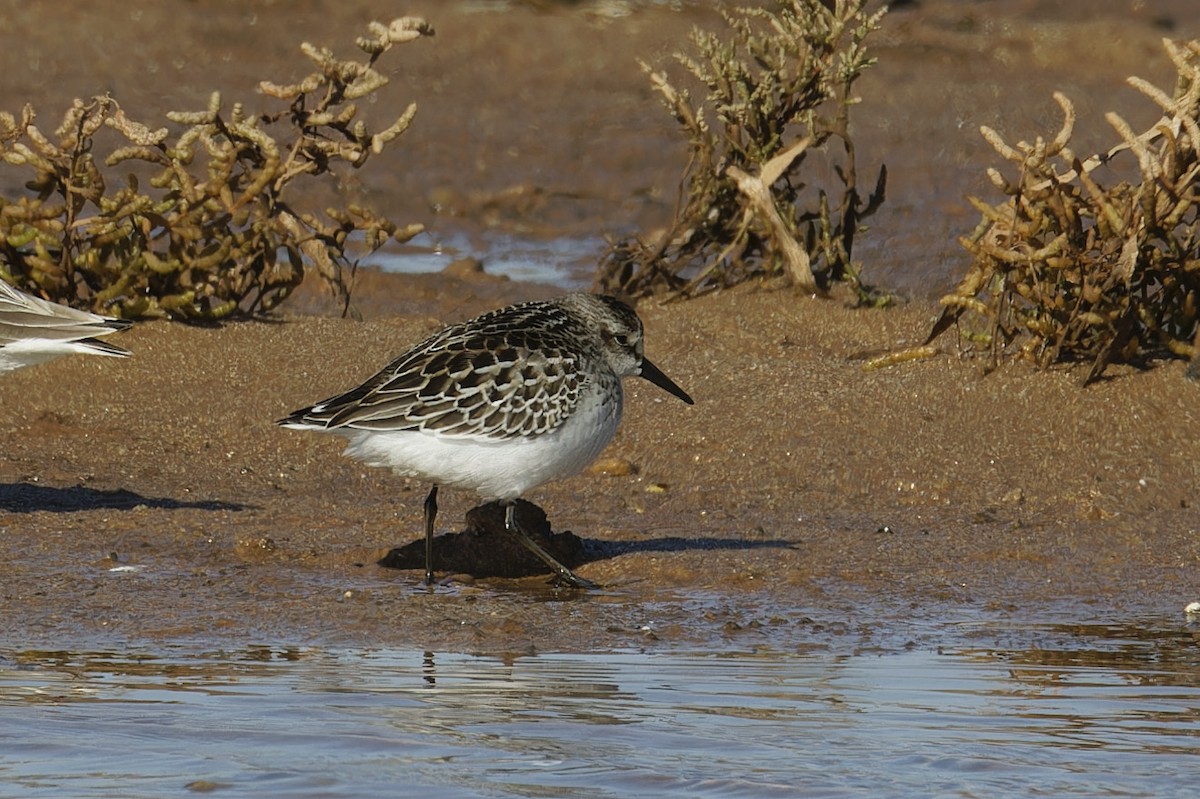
[(778, 87), (1069, 269), (214, 232)]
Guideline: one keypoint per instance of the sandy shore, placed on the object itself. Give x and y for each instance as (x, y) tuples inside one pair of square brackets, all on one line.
[(798, 487), (800, 498)]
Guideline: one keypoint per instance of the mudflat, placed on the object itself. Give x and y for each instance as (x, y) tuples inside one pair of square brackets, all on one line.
[(153, 497), (802, 496)]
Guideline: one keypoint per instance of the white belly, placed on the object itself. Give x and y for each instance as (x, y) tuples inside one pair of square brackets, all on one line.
[(493, 468)]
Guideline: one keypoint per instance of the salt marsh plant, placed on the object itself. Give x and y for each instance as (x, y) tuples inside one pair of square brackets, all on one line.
[(203, 226), (778, 86), (1076, 266)]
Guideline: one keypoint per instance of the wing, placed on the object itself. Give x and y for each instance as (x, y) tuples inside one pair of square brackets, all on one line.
[(479, 380), (23, 316)]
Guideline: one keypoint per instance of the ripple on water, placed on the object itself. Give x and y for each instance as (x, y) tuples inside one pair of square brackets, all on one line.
[(1085, 711)]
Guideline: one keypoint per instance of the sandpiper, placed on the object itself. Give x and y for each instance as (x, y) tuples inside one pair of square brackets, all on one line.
[(33, 330), (499, 404)]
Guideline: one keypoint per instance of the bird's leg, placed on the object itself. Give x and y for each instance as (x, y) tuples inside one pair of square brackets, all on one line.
[(430, 515), (561, 572)]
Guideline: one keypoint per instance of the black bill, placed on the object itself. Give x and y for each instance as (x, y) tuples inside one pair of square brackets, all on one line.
[(655, 376)]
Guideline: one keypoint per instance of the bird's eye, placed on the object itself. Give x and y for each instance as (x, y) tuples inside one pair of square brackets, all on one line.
[(623, 340)]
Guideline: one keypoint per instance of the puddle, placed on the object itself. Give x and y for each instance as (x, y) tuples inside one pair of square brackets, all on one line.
[(1077, 711), (567, 262)]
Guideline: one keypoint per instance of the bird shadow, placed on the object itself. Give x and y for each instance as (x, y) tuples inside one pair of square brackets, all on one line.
[(486, 549), (602, 550), (26, 498)]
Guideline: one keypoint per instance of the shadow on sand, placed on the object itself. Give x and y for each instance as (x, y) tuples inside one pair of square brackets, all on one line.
[(486, 549), (26, 498)]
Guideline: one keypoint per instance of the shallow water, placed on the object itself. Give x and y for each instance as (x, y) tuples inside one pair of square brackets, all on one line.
[(1077, 711), (564, 261)]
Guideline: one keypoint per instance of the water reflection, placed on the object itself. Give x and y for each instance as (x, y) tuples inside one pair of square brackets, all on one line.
[(1078, 710), (1145, 653)]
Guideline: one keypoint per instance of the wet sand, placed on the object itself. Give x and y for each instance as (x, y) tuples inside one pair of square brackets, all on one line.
[(798, 487), (801, 497)]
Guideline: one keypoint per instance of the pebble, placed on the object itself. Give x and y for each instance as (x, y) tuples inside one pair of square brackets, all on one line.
[(613, 467)]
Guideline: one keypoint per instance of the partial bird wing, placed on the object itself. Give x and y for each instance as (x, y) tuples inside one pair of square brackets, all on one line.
[(24, 317), (470, 381)]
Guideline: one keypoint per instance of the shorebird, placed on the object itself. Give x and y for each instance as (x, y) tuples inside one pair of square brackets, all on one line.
[(499, 404), (33, 330)]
